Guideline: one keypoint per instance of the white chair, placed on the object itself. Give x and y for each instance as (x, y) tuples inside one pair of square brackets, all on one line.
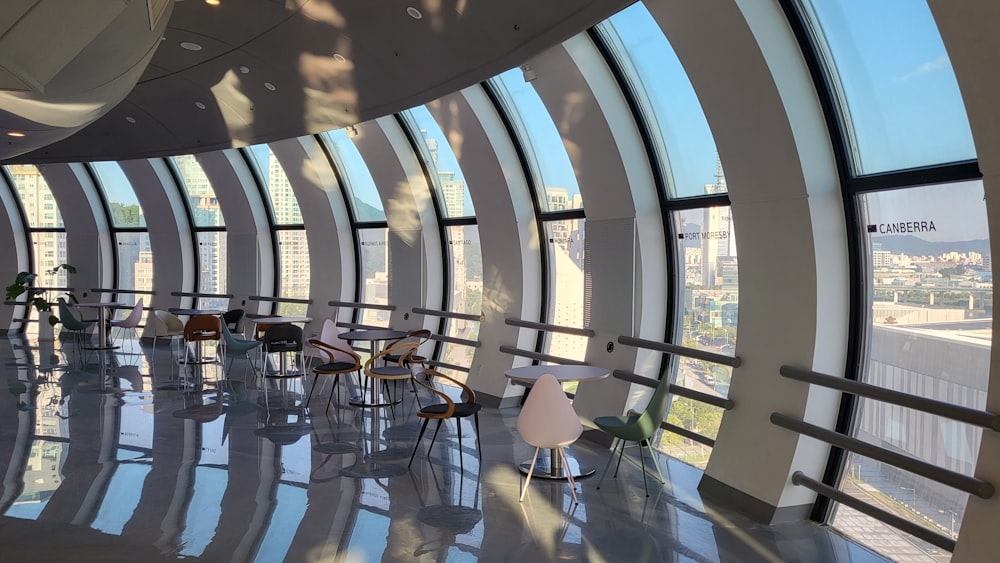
[(330, 335), (547, 420), (131, 322), (170, 326)]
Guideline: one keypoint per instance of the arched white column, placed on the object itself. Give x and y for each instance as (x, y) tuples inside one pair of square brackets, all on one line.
[(14, 237), (615, 180), (968, 29), (333, 273), (788, 218)]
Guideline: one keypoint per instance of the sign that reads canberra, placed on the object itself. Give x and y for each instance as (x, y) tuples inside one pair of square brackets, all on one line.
[(902, 227)]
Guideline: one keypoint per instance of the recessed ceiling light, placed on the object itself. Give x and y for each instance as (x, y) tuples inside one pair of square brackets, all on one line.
[(244, 69), (199, 105), (130, 119), (339, 58), (414, 13), (213, 2), (15, 134), (190, 46), (270, 86)]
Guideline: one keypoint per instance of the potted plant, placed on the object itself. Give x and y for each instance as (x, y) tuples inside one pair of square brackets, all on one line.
[(37, 298)]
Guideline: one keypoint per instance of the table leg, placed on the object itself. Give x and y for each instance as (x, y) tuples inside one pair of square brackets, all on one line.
[(553, 468)]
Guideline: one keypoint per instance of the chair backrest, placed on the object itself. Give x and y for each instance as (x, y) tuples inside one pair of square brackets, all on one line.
[(330, 333), (171, 323), (68, 319), (468, 395), (282, 338), (547, 418), (652, 415), (400, 350), (232, 318), (203, 327), (335, 352), (133, 318)]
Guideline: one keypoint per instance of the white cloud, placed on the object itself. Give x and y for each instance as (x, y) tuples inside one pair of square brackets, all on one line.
[(939, 63)]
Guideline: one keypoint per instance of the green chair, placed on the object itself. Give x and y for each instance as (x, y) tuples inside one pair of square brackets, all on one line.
[(638, 427), (235, 346), (70, 321)]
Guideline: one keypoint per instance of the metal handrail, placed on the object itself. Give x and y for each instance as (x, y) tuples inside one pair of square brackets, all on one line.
[(896, 521), (447, 314), (357, 305), (689, 434), (541, 357), (123, 291), (971, 485), (459, 341), (549, 327), (280, 299), (356, 326), (968, 415), (731, 361), (721, 402), (197, 294), (447, 366)]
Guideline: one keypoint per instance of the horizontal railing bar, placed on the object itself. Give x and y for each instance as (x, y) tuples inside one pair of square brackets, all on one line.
[(931, 406), (886, 517), (448, 366), (549, 327), (731, 361), (196, 294), (691, 435), (55, 288), (459, 341), (356, 326), (971, 485), (124, 291), (357, 305), (447, 314), (541, 357), (280, 299), (721, 402)]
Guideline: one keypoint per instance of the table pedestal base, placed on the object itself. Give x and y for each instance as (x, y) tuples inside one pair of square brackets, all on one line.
[(545, 469)]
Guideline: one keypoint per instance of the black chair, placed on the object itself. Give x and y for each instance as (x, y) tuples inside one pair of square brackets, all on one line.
[(232, 318), (281, 339)]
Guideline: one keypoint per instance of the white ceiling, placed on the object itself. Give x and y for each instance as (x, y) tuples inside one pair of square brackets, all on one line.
[(270, 69)]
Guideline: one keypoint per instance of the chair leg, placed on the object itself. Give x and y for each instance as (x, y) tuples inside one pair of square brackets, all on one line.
[(479, 443), (527, 478), (415, 394), (423, 427), (313, 388), (621, 453), (656, 462), (642, 460), (569, 474), (434, 437), (608, 464), (461, 464)]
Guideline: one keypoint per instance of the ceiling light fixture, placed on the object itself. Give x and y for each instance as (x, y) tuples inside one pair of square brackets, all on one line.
[(270, 86), (414, 13), (244, 69), (339, 58), (213, 2), (130, 119), (15, 134), (190, 46), (199, 105)]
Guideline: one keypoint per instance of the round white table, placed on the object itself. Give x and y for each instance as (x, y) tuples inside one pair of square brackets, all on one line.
[(373, 336), (553, 467), (102, 319)]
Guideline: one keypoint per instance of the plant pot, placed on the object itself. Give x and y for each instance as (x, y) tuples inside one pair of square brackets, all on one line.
[(46, 331)]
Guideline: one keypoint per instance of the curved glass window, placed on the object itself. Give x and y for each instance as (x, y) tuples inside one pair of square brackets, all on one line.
[(375, 279), (45, 226), (891, 77), (466, 261), (930, 282), (542, 142), (569, 305), (363, 196), (685, 147), (135, 257), (293, 246), (449, 184), (209, 228)]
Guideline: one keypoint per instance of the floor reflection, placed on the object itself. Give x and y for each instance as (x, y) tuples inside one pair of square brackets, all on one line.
[(111, 456)]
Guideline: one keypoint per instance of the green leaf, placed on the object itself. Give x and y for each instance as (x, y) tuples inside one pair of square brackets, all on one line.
[(53, 320)]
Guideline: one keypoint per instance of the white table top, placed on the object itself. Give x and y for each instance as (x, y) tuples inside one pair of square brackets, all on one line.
[(563, 373), (280, 320)]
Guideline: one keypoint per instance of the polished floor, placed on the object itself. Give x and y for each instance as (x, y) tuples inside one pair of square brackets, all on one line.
[(118, 457)]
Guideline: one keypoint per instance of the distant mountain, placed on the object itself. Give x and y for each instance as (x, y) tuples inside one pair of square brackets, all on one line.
[(914, 246), (367, 212)]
